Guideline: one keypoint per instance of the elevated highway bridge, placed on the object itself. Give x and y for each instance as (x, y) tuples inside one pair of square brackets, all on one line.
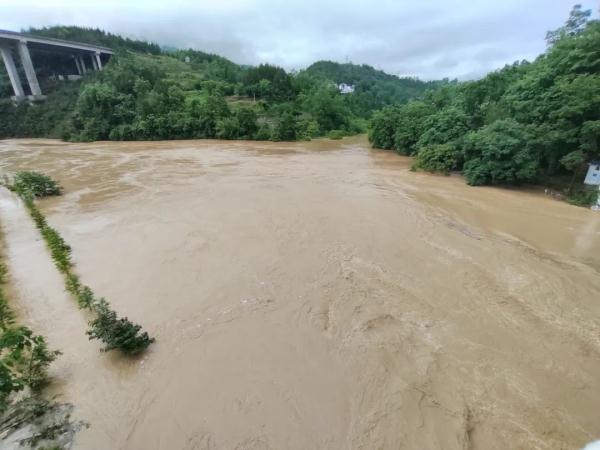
[(84, 57)]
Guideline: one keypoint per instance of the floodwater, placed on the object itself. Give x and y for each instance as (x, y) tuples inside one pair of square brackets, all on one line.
[(311, 296)]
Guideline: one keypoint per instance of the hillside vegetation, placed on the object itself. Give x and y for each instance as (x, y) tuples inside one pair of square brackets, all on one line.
[(148, 93), (529, 122)]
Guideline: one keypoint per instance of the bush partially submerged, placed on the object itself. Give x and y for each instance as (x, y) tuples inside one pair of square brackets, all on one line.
[(35, 184), (438, 158), (500, 153), (585, 196), (336, 134), (115, 332)]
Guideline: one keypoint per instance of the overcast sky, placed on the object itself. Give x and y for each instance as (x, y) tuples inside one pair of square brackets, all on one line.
[(430, 39)]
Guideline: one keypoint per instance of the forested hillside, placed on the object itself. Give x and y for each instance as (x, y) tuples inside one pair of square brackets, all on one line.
[(149, 93), (529, 122), (374, 89)]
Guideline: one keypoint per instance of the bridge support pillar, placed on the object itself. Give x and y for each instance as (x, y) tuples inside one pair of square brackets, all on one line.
[(94, 62), (98, 61), (13, 74), (79, 72), (82, 64), (27, 63)]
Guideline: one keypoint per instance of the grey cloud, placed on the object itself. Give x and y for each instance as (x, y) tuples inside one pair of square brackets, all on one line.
[(427, 38)]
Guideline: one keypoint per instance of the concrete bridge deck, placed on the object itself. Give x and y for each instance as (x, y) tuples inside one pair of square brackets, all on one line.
[(11, 41)]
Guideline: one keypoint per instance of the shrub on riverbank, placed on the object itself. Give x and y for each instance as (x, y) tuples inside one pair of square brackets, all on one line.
[(585, 196), (438, 158), (336, 134), (24, 356)]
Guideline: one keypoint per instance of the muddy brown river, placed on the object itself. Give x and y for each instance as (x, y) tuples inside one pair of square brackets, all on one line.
[(311, 296)]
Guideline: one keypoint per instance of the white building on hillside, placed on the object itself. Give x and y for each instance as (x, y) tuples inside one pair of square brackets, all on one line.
[(346, 88)]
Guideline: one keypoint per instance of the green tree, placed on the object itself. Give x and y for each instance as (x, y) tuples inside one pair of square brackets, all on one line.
[(228, 128), (99, 108), (574, 162), (206, 110), (269, 82), (327, 107), (438, 158), (448, 125), (383, 127), (575, 25), (411, 123), (264, 133), (499, 154), (248, 126), (285, 129)]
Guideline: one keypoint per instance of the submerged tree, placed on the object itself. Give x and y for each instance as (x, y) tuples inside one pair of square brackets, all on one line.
[(117, 333)]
